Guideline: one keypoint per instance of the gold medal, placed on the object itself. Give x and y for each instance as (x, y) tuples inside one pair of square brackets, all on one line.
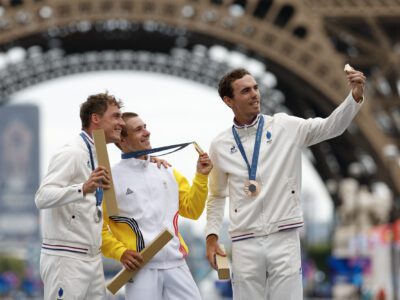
[(252, 188), (198, 148)]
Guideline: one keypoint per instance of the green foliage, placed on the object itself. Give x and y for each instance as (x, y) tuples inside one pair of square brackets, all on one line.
[(320, 254), (15, 265)]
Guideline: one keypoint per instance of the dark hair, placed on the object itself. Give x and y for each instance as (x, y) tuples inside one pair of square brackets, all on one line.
[(96, 104), (125, 116), (225, 84)]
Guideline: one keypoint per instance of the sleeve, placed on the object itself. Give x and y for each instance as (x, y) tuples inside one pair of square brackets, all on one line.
[(111, 247), (57, 188), (217, 195), (192, 199), (314, 130)]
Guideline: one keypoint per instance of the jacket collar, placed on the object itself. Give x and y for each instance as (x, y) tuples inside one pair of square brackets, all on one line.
[(89, 138), (255, 122)]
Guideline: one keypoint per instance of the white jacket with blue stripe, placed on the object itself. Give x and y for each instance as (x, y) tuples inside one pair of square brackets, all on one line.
[(277, 207)]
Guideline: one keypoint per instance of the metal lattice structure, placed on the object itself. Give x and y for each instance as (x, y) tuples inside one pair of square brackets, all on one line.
[(304, 43)]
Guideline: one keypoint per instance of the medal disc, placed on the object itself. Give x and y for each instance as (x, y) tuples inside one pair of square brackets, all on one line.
[(98, 215), (252, 188)]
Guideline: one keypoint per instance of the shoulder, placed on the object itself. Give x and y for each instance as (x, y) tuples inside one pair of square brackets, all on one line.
[(285, 120), (280, 117), (72, 150), (222, 136), (118, 167)]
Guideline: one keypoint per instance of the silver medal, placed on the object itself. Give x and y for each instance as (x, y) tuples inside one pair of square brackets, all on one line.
[(98, 214)]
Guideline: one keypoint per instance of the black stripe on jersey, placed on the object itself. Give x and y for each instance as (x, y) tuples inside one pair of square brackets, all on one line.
[(135, 228)]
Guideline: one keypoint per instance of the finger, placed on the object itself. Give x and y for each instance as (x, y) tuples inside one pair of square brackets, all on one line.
[(205, 161), (133, 262), (220, 252), (102, 173), (105, 186), (138, 257), (127, 266), (100, 169), (95, 181), (214, 262), (105, 180), (137, 265), (211, 260)]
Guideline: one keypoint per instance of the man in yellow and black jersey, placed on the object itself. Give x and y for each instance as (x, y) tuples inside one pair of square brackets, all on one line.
[(149, 200)]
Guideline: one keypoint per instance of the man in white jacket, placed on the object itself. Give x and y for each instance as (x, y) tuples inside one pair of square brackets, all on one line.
[(70, 198), (257, 163)]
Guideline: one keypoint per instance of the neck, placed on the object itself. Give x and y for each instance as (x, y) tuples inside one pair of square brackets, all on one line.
[(88, 131), (244, 120)]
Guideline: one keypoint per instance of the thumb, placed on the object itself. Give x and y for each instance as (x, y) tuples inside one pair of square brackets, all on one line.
[(220, 251)]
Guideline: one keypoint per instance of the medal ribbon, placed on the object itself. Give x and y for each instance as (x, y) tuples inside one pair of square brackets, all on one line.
[(252, 170), (136, 154), (99, 191)]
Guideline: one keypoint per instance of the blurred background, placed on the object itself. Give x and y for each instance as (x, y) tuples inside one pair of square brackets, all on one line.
[(164, 59)]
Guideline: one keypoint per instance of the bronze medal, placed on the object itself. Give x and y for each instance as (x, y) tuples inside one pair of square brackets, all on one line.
[(252, 188)]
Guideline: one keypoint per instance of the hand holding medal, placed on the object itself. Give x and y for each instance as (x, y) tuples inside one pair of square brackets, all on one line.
[(204, 164)]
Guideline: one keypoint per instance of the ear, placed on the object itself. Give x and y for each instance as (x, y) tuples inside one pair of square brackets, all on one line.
[(228, 101), (123, 142), (95, 119)]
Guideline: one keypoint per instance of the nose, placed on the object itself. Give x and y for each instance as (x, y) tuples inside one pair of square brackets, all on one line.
[(254, 92)]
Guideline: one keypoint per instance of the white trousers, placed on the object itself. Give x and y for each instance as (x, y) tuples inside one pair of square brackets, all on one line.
[(70, 278), (163, 284), (268, 267)]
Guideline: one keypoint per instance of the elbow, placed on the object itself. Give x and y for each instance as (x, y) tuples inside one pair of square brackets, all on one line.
[(196, 217), (40, 204), (198, 214)]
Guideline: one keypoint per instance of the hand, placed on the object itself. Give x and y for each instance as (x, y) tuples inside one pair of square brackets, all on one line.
[(131, 260), (160, 162), (212, 248), (98, 178), (356, 81), (204, 164)]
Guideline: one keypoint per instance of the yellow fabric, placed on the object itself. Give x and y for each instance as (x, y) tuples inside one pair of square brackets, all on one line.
[(118, 237)]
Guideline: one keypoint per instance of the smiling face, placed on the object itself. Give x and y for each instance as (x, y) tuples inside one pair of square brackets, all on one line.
[(245, 101), (111, 122), (137, 136)]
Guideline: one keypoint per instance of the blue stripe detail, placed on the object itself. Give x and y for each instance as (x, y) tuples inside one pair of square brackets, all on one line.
[(64, 250), (289, 227), (242, 235), (242, 239)]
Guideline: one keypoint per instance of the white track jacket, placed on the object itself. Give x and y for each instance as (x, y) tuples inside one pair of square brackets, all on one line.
[(68, 224), (277, 207)]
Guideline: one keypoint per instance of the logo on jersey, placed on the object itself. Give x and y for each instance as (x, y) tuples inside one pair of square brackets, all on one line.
[(268, 135), (129, 191), (60, 294), (233, 149)]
